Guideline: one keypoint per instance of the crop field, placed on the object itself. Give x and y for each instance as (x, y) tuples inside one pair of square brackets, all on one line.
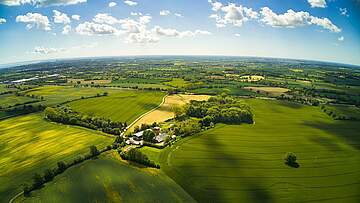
[(124, 106), (29, 144), (165, 111), (108, 179), (179, 83), (244, 163), (10, 100), (59, 94), (275, 91)]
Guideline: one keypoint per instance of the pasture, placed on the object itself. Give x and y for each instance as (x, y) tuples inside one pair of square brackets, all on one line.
[(274, 91), (59, 94), (165, 111), (124, 106), (7, 100), (244, 163), (108, 179), (29, 144)]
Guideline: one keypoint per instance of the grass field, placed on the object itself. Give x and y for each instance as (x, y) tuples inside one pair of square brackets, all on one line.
[(152, 153), (274, 91), (29, 144), (109, 180), (165, 111), (244, 163), (344, 111), (10, 100), (59, 94), (123, 106), (178, 83), (229, 90)]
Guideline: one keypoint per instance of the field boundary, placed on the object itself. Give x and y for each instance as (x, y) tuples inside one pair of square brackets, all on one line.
[(144, 114)]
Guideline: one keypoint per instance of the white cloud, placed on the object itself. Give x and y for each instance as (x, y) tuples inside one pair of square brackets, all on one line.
[(168, 32), (34, 19), (41, 2), (66, 30), (104, 18), (344, 12), (178, 15), (215, 5), (292, 19), (317, 3), (2, 21), (231, 14), (75, 17), (136, 14), (61, 18), (130, 3), (46, 51), (164, 12), (237, 35), (90, 28), (341, 38), (112, 4)]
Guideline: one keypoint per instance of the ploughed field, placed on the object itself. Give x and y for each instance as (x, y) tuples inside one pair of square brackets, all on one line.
[(244, 163), (109, 179), (29, 144), (124, 106)]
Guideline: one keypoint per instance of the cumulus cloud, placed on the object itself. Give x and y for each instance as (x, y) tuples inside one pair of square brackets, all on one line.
[(231, 14), (66, 30), (317, 3), (341, 38), (130, 3), (344, 12), (75, 17), (45, 51), (112, 4), (91, 28), (104, 18), (2, 21), (292, 19), (34, 19), (61, 18), (165, 12), (40, 3), (169, 32), (237, 35)]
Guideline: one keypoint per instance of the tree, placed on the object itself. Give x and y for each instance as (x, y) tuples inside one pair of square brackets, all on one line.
[(38, 181), (61, 166), (290, 159), (149, 135), (94, 151), (26, 189), (48, 175)]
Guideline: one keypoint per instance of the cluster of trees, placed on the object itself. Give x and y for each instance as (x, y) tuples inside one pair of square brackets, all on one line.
[(144, 126), (48, 175), (24, 109), (220, 109), (138, 157), (66, 116), (187, 127), (300, 99), (338, 115)]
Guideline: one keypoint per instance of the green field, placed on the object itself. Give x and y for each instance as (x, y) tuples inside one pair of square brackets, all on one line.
[(124, 106), (244, 163), (10, 100), (178, 83), (58, 94), (107, 179), (345, 111), (29, 144), (152, 153)]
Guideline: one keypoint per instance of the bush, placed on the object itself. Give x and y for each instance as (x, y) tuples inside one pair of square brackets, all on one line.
[(26, 190), (61, 166), (48, 175), (149, 135), (38, 180), (290, 159), (94, 151)]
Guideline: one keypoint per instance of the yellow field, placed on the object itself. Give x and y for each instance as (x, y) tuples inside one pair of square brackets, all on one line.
[(275, 91), (165, 112), (252, 78)]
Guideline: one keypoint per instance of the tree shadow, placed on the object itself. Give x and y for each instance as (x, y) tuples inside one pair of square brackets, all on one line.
[(293, 164)]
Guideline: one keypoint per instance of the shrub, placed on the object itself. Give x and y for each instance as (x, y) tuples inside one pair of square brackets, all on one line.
[(61, 166), (94, 151), (38, 180), (48, 175)]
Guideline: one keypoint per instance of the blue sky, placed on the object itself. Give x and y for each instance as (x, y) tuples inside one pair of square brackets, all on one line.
[(327, 30)]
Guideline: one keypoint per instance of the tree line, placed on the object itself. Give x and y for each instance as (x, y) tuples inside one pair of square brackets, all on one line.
[(66, 115), (137, 156)]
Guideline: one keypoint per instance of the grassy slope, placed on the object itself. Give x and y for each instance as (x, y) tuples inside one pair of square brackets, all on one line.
[(11, 99), (245, 163), (29, 144), (109, 180), (122, 106)]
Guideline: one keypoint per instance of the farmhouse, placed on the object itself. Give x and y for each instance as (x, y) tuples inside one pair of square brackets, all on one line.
[(138, 136)]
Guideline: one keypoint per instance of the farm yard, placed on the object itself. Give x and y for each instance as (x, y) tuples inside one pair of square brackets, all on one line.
[(245, 162), (29, 144), (109, 179)]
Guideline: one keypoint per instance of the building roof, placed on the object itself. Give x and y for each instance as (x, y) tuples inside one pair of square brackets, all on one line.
[(139, 134)]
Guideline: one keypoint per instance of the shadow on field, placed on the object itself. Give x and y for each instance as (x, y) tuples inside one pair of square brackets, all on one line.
[(220, 187), (346, 130)]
